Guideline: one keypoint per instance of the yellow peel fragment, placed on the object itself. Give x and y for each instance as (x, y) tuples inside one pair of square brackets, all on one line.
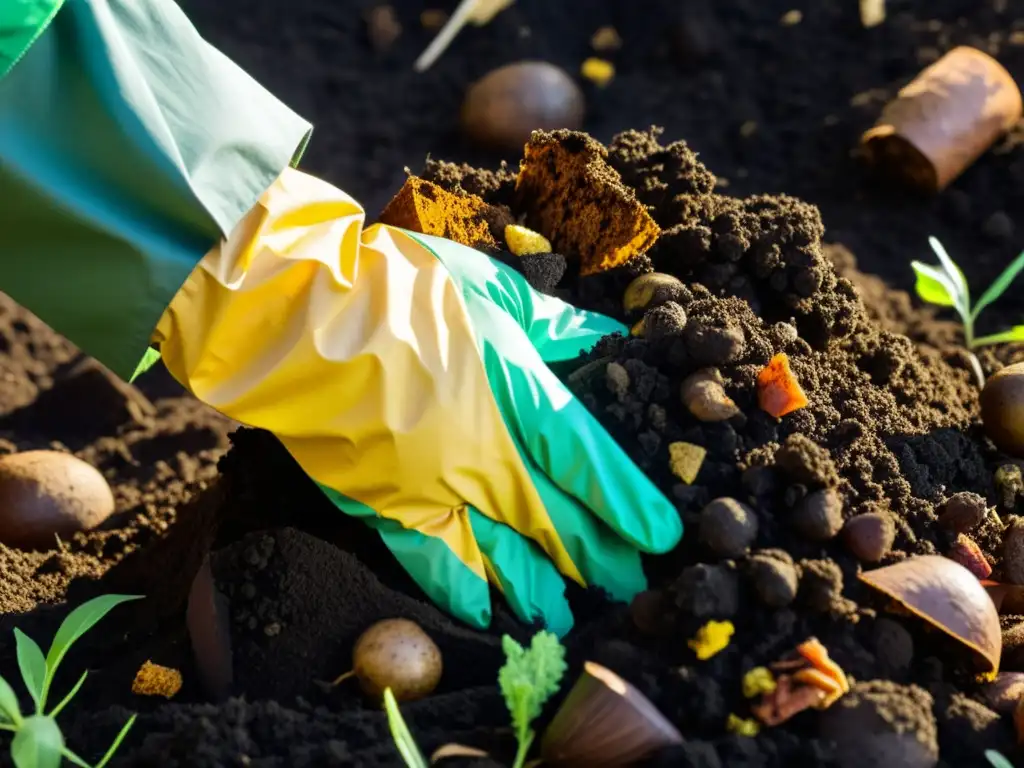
[(598, 71), (757, 681), (741, 727), (525, 242), (685, 460), (711, 638)]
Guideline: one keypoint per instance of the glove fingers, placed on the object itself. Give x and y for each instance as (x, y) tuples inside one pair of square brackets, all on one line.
[(526, 577), (559, 331), (603, 558), (451, 581)]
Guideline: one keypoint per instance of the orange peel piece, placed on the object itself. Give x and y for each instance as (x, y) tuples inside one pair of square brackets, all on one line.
[(778, 391)]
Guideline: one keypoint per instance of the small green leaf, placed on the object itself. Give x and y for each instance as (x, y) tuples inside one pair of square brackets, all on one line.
[(933, 285), (38, 743), (77, 623), (33, 667), (997, 759), (999, 285), (9, 703), (1014, 334), (954, 272), (117, 742), (404, 741), (151, 358)]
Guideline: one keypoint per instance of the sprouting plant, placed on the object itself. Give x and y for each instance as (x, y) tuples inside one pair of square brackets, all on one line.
[(404, 741), (528, 679), (946, 286), (38, 741), (997, 759)]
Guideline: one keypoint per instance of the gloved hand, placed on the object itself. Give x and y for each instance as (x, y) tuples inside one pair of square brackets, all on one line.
[(406, 374)]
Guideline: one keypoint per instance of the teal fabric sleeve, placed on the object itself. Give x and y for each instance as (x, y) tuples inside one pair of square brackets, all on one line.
[(128, 147)]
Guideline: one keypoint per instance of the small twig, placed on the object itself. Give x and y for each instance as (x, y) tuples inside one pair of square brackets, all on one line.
[(444, 38), (976, 366)]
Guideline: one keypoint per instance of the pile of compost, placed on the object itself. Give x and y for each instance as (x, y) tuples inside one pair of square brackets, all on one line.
[(890, 430)]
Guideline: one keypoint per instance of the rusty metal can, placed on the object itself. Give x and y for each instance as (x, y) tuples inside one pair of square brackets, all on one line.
[(944, 120)]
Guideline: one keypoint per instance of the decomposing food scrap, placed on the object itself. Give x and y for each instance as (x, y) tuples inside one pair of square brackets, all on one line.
[(712, 638), (778, 391), (525, 242), (685, 460), (156, 680), (598, 71), (809, 679)]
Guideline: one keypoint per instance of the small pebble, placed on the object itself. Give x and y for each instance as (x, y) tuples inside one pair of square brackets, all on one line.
[(714, 345), (618, 379), (704, 396), (505, 106), (728, 527), (1013, 552), (652, 290), (685, 460), (963, 512), (998, 226), (382, 27), (791, 18), (775, 577), (46, 494), (870, 536), (819, 517)]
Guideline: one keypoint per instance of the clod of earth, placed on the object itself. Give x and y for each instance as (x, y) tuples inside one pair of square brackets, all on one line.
[(605, 722), (46, 495), (882, 723), (156, 680), (819, 515), (505, 106), (947, 596), (395, 654), (727, 527), (1002, 409), (963, 512)]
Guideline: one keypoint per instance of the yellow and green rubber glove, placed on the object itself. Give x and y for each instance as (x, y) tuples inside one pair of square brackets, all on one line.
[(407, 375)]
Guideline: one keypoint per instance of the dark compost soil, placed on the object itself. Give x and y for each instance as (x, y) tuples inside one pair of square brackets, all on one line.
[(891, 425)]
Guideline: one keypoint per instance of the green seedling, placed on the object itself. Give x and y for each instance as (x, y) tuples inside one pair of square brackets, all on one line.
[(997, 759), (38, 741), (528, 679), (946, 286), (404, 741)]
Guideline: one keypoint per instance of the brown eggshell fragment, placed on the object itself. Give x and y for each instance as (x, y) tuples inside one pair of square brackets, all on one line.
[(49, 494), (605, 722), (506, 105), (396, 654), (948, 596), (1002, 409)]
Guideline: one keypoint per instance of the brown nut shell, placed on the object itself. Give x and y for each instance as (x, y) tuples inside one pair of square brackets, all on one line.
[(506, 105), (605, 722), (1002, 409), (45, 494), (944, 120), (397, 654), (209, 631), (947, 596)]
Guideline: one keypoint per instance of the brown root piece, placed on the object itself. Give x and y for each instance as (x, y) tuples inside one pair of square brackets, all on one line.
[(208, 629), (788, 699), (605, 722), (566, 171)]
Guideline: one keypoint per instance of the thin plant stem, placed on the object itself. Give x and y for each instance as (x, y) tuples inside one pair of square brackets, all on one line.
[(64, 702), (524, 747), (71, 757)]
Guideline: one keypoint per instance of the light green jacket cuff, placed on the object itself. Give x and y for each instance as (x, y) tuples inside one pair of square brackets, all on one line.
[(128, 148)]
